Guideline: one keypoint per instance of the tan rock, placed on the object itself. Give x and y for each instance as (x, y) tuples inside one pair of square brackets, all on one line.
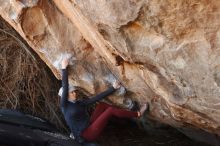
[(164, 52)]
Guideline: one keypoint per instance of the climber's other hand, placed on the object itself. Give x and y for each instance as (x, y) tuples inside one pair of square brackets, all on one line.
[(116, 84), (64, 63)]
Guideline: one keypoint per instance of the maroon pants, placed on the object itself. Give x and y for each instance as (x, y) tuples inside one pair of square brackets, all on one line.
[(100, 118)]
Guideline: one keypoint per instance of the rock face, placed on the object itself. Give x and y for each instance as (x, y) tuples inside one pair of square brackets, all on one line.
[(164, 52)]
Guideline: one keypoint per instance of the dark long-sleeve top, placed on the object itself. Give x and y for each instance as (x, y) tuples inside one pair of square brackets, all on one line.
[(75, 113)]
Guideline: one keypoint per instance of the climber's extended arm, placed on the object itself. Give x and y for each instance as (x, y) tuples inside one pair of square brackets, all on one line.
[(65, 83), (116, 85), (100, 96)]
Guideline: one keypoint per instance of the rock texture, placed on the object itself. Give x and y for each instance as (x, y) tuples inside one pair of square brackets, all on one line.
[(165, 52)]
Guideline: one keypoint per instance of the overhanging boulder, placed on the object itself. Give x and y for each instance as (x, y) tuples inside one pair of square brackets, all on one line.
[(163, 52)]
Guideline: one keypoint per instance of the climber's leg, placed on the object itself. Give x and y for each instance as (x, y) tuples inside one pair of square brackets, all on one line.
[(100, 108), (94, 130)]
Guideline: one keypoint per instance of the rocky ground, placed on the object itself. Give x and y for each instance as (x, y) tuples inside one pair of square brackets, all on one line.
[(129, 134)]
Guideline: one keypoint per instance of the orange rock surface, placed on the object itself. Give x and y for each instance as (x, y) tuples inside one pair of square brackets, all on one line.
[(163, 52)]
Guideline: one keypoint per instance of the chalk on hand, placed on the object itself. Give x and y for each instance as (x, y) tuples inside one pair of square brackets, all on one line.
[(121, 91), (110, 78), (57, 62)]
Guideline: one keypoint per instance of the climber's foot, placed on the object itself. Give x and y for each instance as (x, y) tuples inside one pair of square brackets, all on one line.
[(143, 108)]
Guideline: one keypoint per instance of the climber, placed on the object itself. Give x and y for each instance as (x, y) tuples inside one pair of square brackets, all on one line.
[(83, 128)]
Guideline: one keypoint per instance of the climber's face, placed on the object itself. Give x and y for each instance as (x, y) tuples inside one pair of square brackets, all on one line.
[(72, 96)]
